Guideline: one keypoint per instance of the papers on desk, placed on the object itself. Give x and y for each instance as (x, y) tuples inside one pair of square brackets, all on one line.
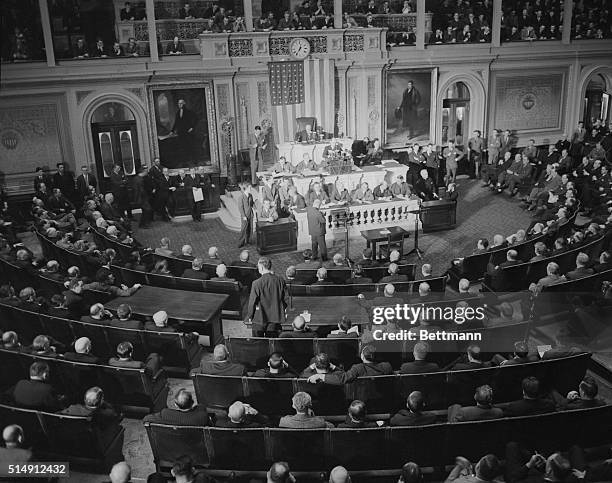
[(198, 194), (543, 348), (384, 232), (306, 315)]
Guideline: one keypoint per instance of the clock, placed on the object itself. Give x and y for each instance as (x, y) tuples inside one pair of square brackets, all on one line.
[(299, 48)]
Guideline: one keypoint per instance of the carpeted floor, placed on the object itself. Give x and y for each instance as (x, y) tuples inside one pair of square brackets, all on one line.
[(479, 214)]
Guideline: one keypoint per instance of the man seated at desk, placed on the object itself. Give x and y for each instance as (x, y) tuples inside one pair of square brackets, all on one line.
[(307, 135), (296, 200), (338, 192), (283, 166), (306, 164), (382, 191), (268, 212), (316, 192), (400, 188), (362, 193), (374, 154)]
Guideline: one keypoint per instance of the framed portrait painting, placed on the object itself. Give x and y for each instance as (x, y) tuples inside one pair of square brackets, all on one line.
[(183, 125), (409, 99)]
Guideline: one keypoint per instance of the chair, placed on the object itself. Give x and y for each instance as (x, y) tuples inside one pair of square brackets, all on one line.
[(302, 122), (252, 352), (171, 442), (225, 444), (352, 448), (395, 241), (244, 165), (218, 392), (303, 449)]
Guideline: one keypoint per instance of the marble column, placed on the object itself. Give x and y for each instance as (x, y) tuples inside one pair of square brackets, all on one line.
[(496, 23), (337, 13), (154, 54), (566, 35), (420, 25), (247, 6), (47, 35)]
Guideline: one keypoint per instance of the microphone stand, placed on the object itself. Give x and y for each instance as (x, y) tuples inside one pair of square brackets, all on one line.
[(416, 248)]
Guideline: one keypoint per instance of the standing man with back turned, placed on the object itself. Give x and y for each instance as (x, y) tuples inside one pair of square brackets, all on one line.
[(245, 207), (257, 144), (317, 229), (267, 302)]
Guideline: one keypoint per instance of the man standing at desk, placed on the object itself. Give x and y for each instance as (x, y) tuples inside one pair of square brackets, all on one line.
[(307, 135), (317, 229), (267, 302), (245, 204), (257, 144)]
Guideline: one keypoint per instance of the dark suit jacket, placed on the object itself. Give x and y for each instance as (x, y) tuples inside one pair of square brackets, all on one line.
[(394, 278), (269, 294), (198, 274), (222, 368), (418, 367), (183, 124), (407, 418), (473, 413), (125, 324), (317, 224), (359, 370), (525, 407), (295, 334), (86, 358), (196, 416), (348, 423), (580, 272), (82, 186), (36, 395)]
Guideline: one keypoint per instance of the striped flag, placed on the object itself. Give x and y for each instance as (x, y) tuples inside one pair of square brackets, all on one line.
[(317, 98)]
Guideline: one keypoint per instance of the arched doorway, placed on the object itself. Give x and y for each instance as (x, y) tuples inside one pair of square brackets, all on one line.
[(455, 114), (596, 101), (115, 140)]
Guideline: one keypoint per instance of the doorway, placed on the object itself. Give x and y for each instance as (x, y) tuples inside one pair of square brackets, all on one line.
[(596, 102), (455, 114), (115, 140)]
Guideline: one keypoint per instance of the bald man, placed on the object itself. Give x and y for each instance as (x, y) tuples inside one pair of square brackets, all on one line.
[(183, 412), (221, 365), (241, 415), (244, 260), (82, 352), (299, 330), (13, 452), (339, 475), (120, 473), (279, 473), (103, 415)]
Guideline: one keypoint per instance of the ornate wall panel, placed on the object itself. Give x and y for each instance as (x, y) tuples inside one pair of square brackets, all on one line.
[(243, 106), (530, 101)]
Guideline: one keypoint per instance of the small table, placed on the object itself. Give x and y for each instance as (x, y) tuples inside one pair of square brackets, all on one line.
[(372, 237), (327, 310), (201, 311)]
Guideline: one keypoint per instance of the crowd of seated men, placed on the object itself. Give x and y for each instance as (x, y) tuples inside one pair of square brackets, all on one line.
[(539, 20), (592, 19), (462, 22)]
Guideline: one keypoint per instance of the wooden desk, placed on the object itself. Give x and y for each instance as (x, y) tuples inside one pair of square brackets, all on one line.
[(327, 310), (277, 236), (373, 237), (200, 311)]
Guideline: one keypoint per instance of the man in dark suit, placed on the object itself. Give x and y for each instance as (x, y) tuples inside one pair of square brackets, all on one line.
[(82, 352), (184, 125), (125, 350), (425, 187), (304, 418), (356, 418), (299, 330), (164, 195), (413, 415), (317, 227), (37, 393), (482, 411), (393, 275), (41, 177), (267, 301), (277, 367), (358, 277), (257, 145), (473, 359), (532, 402), (309, 262), (176, 47), (192, 181), (196, 270), (103, 415), (143, 193), (582, 270), (119, 188), (420, 365), (367, 367), (83, 182), (13, 451), (124, 319), (496, 278), (64, 181), (240, 415), (245, 208), (187, 413), (221, 365)]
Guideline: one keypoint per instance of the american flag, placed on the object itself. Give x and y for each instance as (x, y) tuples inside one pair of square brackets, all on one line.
[(286, 83), (299, 89)]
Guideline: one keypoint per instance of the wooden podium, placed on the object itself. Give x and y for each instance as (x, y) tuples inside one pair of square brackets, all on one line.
[(278, 236), (438, 215)]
